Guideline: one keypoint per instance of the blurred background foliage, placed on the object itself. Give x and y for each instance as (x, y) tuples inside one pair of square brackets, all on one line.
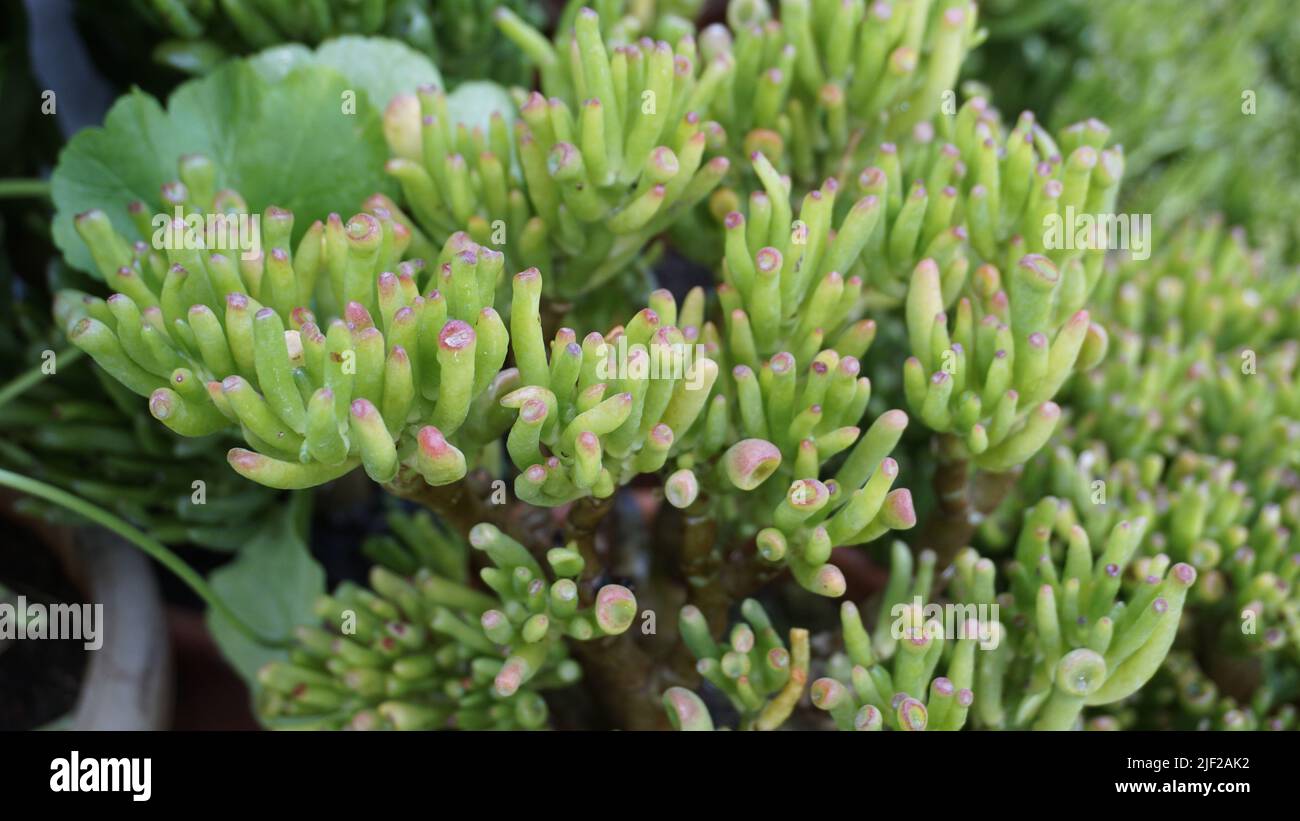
[(1177, 82)]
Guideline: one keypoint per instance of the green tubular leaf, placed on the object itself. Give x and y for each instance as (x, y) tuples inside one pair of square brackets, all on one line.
[(211, 339), (96, 339), (399, 389), (877, 443), (376, 446), (821, 580), (1019, 447), (457, 344), (324, 440), (504, 551), (274, 371), (863, 504), (1078, 677), (857, 643), (900, 580), (256, 415), (525, 434), (686, 711), (437, 460), (924, 303), (185, 417), (239, 332), (749, 463), (689, 396), (491, 346), (282, 475), (130, 328), (526, 329), (1033, 284), (1138, 669)]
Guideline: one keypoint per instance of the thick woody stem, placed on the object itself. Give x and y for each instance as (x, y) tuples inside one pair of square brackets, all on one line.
[(700, 562), (580, 528), (624, 680), (462, 505), (744, 572), (990, 489), (620, 671), (963, 498), (455, 504)]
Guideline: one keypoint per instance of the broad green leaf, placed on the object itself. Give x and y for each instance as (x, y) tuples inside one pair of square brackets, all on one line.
[(129, 158), (380, 67), (287, 142), (276, 62), (383, 68), (272, 585)]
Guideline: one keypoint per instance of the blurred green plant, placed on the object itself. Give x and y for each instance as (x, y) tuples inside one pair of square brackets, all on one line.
[(1203, 94), (201, 34)]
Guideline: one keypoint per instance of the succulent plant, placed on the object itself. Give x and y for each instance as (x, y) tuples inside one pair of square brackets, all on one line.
[(420, 649), (924, 320), (584, 181), (313, 398), (199, 34), (1067, 641), (762, 678), (815, 89)]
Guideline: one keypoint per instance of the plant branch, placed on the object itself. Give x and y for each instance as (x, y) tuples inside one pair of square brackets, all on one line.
[(455, 504), (963, 496), (585, 516), (21, 384), (624, 679), (700, 564), (22, 188)]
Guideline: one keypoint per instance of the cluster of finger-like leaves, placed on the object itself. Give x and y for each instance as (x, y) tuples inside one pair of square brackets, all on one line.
[(600, 161), (801, 524), (395, 361), (1183, 697), (990, 380), (1204, 281), (990, 351), (1061, 639), (759, 675), (1178, 389), (420, 649), (784, 284), (618, 404), (1025, 191), (792, 422), (808, 276), (988, 375), (1205, 356), (1155, 396), (886, 679), (813, 89), (1238, 531)]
